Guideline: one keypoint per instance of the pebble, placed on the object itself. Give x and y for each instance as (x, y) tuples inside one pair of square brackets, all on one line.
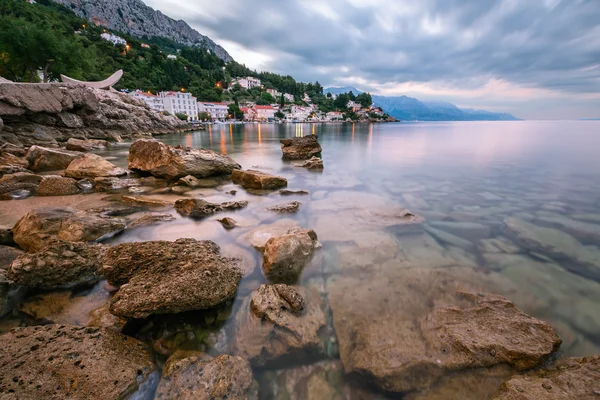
[(546, 386)]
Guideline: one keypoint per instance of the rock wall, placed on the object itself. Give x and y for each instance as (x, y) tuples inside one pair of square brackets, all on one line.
[(49, 114)]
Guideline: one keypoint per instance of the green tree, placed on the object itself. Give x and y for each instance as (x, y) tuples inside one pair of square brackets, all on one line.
[(182, 116), (204, 116), (235, 111), (279, 115), (364, 99)]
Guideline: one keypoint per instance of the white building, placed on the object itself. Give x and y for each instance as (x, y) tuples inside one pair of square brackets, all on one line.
[(247, 82), (288, 97), (218, 111), (334, 116), (274, 93), (172, 57), (153, 101), (299, 113), (114, 39), (354, 106), (176, 102), (264, 113)]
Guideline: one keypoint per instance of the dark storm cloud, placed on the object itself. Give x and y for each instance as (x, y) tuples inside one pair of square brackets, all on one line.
[(546, 44)]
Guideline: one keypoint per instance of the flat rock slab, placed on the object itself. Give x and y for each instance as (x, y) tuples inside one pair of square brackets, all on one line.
[(279, 322), (202, 377), (169, 277), (44, 159), (314, 164), (573, 378), (92, 166), (258, 180), (198, 208), (439, 329), (302, 148), (38, 227), (164, 161), (59, 362)]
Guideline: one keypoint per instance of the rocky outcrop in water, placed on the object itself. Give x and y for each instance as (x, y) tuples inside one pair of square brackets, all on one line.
[(279, 321), (92, 166), (288, 208), (60, 265), (301, 148), (314, 164), (573, 378), (35, 230), (48, 114), (202, 377), (258, 180), (286, 255), (169, 277), (59, 362), (198, 208), (164, 161)]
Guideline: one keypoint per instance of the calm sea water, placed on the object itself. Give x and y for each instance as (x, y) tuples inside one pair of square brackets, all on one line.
[(466, 179)]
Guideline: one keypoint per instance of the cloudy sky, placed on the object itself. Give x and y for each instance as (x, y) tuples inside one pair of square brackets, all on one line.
[(537, 59)]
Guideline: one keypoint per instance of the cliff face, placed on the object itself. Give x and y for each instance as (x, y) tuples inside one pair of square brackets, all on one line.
[(137, 19), (47, 114)]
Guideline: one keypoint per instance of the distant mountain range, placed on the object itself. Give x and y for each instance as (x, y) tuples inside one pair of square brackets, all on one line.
[(410, 109), (137, 19)]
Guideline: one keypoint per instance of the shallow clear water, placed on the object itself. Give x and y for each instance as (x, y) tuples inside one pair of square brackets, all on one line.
[(466, 179)]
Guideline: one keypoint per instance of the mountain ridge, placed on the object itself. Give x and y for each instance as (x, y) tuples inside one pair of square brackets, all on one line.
[(411, 109), (134, 17)]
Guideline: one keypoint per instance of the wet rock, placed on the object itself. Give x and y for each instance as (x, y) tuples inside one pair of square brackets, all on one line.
[(203, 377), (194, 182), (60, 265), (259, 237), (580, 259), (17, 182), (228, 223), (103, 318), (439, 329), (198, 208), (314, 164), (97, 364), (13, 160), (86, 145), (169, 277), (8, 254), (279, 322), (164, 161), (573, 378), (13, 149), (12, 169), (108, 184), (6, 236), (43, 159), (54, 185), (146, 201), (258, 180), (151, 218), (288, 208), (40, 226), (285, 192), (92, 166), (302, 148), (286, 255)]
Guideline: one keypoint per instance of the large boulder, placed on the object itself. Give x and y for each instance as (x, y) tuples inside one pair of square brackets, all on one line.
[(439, 329), (44, 159), (221, 378), (278, 322), (86, 145), (169, 277), (11, 184), (60, 362), (286, 255), (34, 231), (252, 179), (573, 378), (60, 265), (92, 166), (198, 208), (301, 148), (164, 161), (54, 185)]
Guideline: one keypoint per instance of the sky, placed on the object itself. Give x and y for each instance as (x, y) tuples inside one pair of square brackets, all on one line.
[(537, 59)]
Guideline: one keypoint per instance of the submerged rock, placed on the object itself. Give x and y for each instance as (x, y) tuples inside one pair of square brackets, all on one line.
[(108, 184), (288, 208), (314, 164), (202, 377), (198, 208), (60, 265), (71, 362), (259, 237), (169, 277), (285, 192), (43, 159), (150, 218), (86, 145), (258, 180), (286, 255), (92, 166), (439, 329), (54, 185), (573, 378), (37, 228), (17, 182), (164, 161), (301, 148), (228, 223), (277, 322)]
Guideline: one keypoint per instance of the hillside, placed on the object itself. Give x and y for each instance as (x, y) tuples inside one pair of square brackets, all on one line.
[(137, 19), (410, 109)]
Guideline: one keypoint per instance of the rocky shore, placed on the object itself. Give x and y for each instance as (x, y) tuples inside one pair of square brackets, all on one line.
[(268, 316)]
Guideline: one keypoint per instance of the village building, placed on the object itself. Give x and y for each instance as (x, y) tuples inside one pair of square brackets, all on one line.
[(219, 111), (334, 116), (178, 102), (288, 97), (247, 83), (154, 102), (265, 113), (114, 39)]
